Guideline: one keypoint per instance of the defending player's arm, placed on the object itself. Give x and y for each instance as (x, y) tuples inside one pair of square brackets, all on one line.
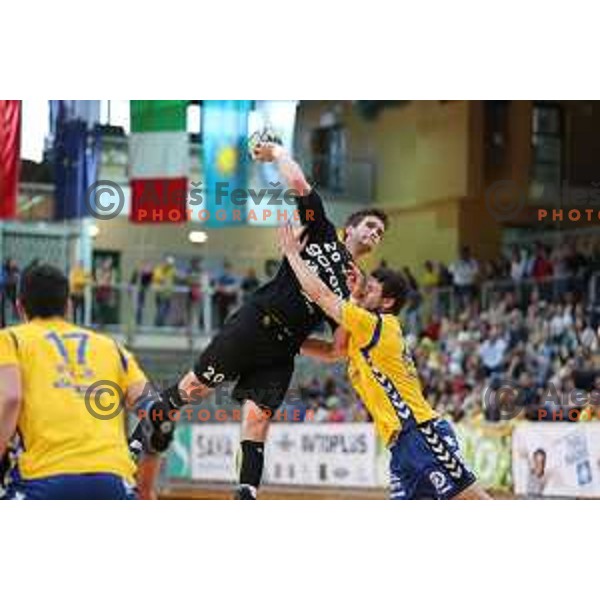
[(358, 322), (11, 390), (310, 283), (327, 351)]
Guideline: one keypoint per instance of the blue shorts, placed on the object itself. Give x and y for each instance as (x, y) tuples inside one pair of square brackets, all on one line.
[(91, 486), (426, 464)]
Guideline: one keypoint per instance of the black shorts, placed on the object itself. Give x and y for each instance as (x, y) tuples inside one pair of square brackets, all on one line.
[(255, 349)]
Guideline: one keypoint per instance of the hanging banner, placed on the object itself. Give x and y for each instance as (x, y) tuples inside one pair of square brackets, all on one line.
[(212, 452), (337, 455), (486, 448), (556, 459)]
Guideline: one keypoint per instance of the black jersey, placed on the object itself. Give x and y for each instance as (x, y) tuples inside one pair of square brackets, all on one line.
[(325, 255)]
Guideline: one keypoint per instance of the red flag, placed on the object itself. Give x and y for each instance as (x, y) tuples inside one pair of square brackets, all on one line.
[(159, 159), (158, 200), (10, 137)]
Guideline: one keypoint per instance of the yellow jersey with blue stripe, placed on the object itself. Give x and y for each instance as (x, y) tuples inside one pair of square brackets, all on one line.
[(61, 431), (382, 371)]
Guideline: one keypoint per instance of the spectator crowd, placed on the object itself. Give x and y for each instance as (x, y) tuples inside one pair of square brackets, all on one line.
[(518, 337), (163, 293)]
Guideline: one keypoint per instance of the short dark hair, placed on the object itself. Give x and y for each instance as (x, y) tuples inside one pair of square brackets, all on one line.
[(44, 291), (393, 286), (356, 217)]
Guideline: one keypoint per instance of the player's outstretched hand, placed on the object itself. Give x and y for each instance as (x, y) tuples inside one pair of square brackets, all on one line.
[(290, 239), (267, 152), (265, 145)]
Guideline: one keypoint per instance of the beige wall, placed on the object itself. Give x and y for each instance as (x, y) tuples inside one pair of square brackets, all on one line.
[(407, 143), (421, 154), (244, 246), (430, 174), (417, 235), (427, 158)]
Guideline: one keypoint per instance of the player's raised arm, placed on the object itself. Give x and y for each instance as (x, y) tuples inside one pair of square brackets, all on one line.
[(310, 205), (288, 168), (310, 283)]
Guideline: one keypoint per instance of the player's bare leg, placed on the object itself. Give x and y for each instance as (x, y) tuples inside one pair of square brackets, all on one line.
[(255, 422), (255, 427), (473, 492)]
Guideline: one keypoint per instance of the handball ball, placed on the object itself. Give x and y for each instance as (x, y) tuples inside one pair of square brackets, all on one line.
[(263, 136)]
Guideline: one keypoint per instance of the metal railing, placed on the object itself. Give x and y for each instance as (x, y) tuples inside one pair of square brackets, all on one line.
[(130, 309), (550, 289), (447, 301), (179, 310)]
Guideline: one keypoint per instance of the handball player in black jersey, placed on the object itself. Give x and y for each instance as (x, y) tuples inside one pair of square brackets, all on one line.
[(258, 344)]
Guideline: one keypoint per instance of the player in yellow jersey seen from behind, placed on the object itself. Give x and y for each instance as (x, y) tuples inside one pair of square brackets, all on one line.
[(62, 394)]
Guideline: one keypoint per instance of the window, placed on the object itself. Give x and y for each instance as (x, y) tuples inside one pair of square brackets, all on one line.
[(496, 133), (328, 157), (193, 118), (546, 142)]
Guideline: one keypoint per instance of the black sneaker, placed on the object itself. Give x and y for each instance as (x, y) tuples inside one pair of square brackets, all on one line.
[(245, 492)]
